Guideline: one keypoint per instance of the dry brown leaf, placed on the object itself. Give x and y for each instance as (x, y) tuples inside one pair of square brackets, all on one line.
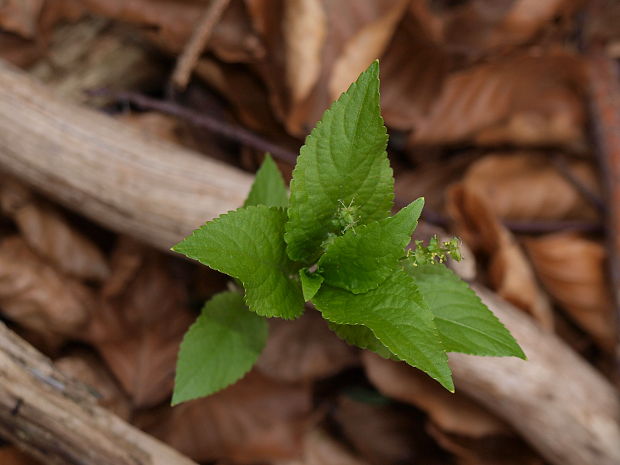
[(509, 271), (304, 350), (51, 236), (35, 295), (413, 69), (88, 369), (480, 27), (140, 324), (381, 434), (20, 16), (252, 421), (357, 33), (453, 413), (153, 124), (320, 449), (10, 455), (492, 104), (572, 269), (528, 186), (366, 45), (305, 29)]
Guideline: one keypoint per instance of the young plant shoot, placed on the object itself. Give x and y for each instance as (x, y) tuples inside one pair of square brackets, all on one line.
[(333, 243)]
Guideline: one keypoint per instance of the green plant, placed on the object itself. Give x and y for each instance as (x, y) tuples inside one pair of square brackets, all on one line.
[(335, 244)]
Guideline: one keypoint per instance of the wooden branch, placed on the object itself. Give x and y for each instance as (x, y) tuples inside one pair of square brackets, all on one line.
[(58, 421), (108, 171), (197, 42), (555, 399), (158, 193)]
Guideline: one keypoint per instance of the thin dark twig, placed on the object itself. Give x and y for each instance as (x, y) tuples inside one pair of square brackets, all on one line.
[(247, 137), (604, 80), (218, 126), (560, 164)]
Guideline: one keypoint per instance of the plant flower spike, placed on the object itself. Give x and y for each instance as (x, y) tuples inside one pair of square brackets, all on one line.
[(333, 243)]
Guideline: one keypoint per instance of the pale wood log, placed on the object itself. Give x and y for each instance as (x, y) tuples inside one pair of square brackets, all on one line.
[(58, 421), (158, 193), (555, 399), (108, 171)]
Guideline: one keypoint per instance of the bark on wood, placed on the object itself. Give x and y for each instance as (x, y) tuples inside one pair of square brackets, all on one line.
[(159, 193), (109, 172), (58, 420)]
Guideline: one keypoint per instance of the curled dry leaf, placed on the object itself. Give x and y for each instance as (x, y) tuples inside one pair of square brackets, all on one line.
[(255, 420), (357, 32), (51, 236), (381, 434), (320, 449), (509, 271), (452, 413), (304, 350), (572, 269), (36, 296), (480, 27), (539, 105), (88, 369), (140, 324), (10, 455), (413, 69), (305, 29), (528, 186), (21, 16)]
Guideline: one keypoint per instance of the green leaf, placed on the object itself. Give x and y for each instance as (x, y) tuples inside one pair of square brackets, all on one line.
[(343, 164), (364, 257), (398, 317), (248, 244), (269, 187), (219, 348), (465, 323), (310, 283), (362, 337)]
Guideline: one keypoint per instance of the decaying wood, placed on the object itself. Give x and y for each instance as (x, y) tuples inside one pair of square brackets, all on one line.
[(159, 193), (555, 399), (58, 420), (111, 173)]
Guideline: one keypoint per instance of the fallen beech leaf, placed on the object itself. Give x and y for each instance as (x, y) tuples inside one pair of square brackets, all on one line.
[(254, 420), (364, 46), (382, 434), (539, 105), (10, 455), (509, 271), (320, 449), (528, 186), (20, 16), (51, 236), (305, 28), (453, 413), (479, 28), (35, 295), (304, 349), (413, 70), (88, 369), (357, 32), (138, 328), (572, 269)]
